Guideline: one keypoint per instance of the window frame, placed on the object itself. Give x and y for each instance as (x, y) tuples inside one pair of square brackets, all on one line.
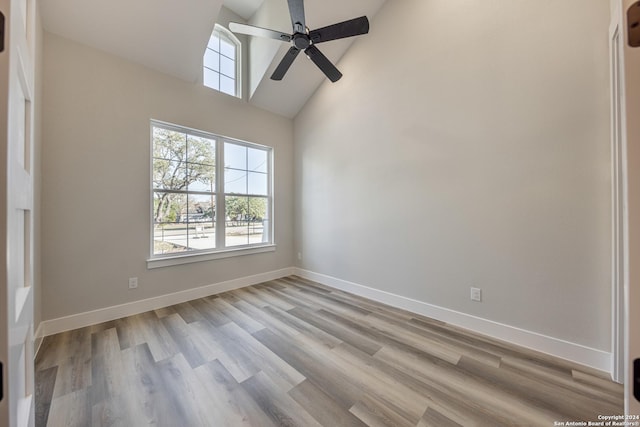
[(224, 33), (221, 250)]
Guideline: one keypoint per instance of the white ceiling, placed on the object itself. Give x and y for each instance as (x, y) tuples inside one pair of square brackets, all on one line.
[(162, 34), (170, 36)]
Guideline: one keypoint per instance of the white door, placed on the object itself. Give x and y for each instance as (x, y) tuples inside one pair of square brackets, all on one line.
[(16, 218), (626, 159), (632, 98)]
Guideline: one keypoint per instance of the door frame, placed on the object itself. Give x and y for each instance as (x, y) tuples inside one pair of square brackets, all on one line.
[(626, 316), (619, 215), (632, 144)]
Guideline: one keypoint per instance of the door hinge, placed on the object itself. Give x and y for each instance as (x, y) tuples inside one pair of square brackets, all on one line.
[(633, 22), (636, 379), (1, 31)]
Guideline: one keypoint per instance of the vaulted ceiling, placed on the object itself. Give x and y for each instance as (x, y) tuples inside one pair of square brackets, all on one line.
[(162, 34), (171, 36), (244, 8)]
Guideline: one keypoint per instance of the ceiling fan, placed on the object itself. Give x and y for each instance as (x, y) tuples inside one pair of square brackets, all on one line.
[(303, 39)]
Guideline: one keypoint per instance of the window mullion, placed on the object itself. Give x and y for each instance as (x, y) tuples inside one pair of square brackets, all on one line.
[(270, 207), (220, 202), (186, 187), (246, 191)]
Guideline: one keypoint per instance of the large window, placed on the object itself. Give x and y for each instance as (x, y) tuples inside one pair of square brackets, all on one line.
[(211, 194), (221, 62)]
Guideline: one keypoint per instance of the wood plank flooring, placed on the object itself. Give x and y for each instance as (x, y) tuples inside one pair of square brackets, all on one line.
[(291, 352)]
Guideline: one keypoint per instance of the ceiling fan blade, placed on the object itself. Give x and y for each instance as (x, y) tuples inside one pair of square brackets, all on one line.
[(350, 28), (296, 9), (284, 65), (258, 32), (323, 63)]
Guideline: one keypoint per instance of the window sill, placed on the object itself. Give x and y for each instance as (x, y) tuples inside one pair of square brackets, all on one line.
[(168, 261)]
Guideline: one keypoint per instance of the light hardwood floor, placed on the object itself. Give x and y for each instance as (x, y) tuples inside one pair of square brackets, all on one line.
[(291, 352)]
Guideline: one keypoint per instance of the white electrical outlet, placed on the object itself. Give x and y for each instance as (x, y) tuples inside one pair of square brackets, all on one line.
[(299, 256), (133, 282), (476, 294)]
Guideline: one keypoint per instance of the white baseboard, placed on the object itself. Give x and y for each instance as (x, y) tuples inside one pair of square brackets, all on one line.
[(578, 353), (75, 321)]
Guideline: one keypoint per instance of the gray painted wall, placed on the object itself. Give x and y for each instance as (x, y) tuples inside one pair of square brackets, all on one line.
[(468, 145), (96, 173), (469, 150)]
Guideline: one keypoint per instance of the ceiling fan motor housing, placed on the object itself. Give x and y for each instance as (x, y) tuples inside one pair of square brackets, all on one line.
[(301, 41)]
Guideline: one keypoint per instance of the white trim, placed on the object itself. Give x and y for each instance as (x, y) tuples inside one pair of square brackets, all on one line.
[(619, 247), (578, 353), (159, 262), (75, 321), (37, 340)]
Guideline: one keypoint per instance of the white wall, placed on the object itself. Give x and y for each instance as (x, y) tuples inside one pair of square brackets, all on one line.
[(96, 178), (468, 145)]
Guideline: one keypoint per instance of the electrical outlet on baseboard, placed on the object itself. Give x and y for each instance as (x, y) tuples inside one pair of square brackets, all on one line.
[(133, 282), (476, 294)]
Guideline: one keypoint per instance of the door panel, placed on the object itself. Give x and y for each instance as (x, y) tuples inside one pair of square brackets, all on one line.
[(632, 129), (625, 88), (16, 204)]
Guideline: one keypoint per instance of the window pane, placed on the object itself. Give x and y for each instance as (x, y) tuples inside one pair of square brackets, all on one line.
[(227, 85), (214, 42), (227, 67), (237, 221), (246, 220), (201, 178), (257, 160), (258, 183), (200, 220), (211, 79), (170, 234), (169, 175), (201, 150), (169, 238), (227, 48), (258, 221), (201, 209), (235, 181), (235, 156), (211, 60), (167, 207), (168, 144)]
